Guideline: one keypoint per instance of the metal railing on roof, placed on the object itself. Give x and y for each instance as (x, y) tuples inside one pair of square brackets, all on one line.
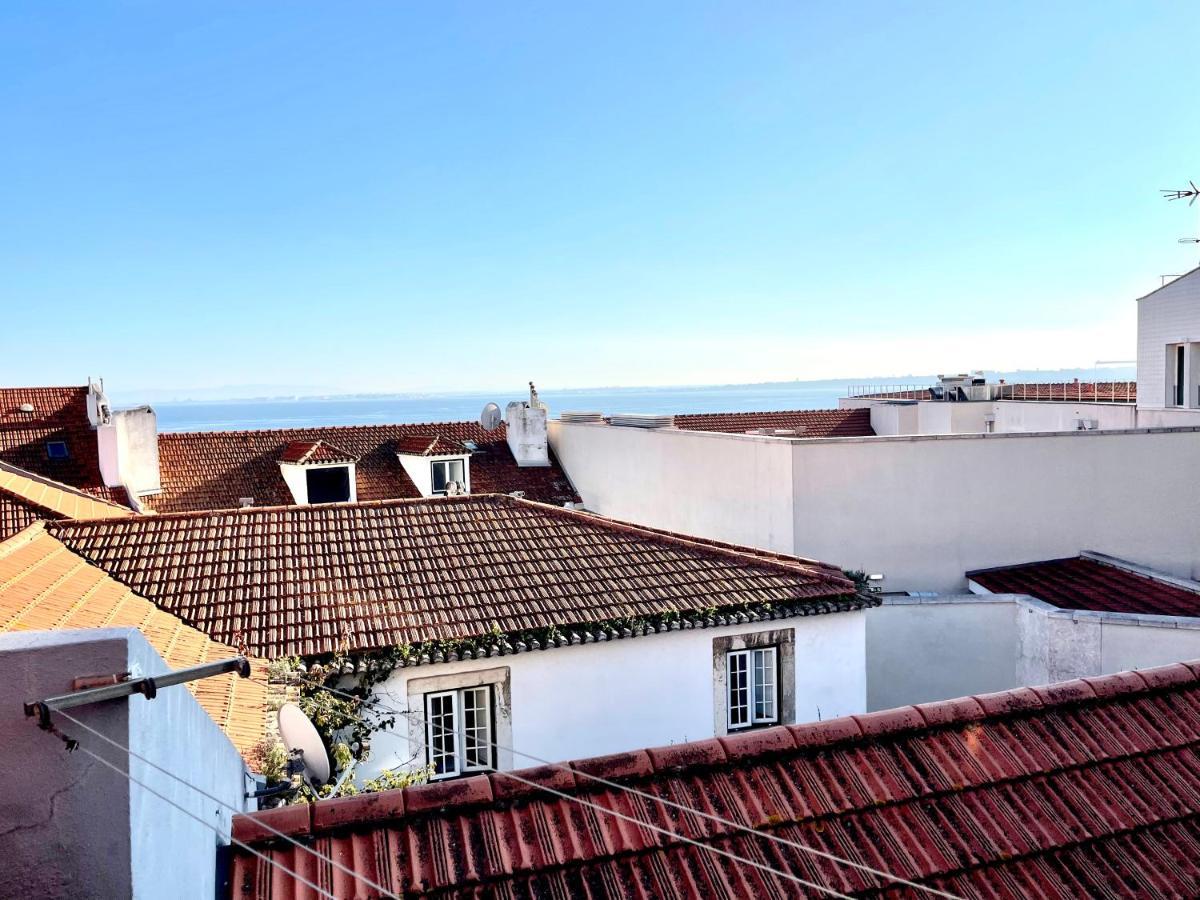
[(1048, 391)]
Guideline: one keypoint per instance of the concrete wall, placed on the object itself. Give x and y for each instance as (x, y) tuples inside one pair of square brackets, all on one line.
[(1170, 315), (734, 488), (1056, 645), (1029, 416), (592, 699), (924, 510), (1008, 416), (933, 648)]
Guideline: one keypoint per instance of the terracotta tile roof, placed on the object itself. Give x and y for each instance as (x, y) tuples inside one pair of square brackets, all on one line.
[(46, 587), (1068, 391), (811, 422), (26, 498), (1082, 583), (1084, 789), (214, 470), (303, 580), (428, 445), (59, 414), (301, 452)]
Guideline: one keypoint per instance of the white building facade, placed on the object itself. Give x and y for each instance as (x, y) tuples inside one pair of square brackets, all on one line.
[(614, 695)]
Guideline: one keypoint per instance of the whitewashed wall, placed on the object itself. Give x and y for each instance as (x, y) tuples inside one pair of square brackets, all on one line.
[(735, 488), (594, 699), (1169, 315)]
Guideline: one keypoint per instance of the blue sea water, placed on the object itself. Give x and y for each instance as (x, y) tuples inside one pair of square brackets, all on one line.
[(400, 408)]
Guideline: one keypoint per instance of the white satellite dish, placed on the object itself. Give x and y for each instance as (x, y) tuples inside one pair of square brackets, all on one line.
[(300, 739), (489, 419)]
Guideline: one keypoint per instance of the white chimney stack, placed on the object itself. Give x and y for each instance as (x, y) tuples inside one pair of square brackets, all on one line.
[(127, 441), (526, 431)]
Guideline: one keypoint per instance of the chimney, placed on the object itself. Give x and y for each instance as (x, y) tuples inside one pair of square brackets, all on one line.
[(526, 431), (127, 440)]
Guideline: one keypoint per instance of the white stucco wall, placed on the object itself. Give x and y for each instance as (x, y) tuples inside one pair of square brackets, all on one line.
[(174, 855), (593, 699), (1170, 315), (921, 649), (733, 488)]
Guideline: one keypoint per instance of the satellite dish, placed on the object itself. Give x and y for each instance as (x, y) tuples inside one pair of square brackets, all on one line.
[(489, 419), (301, 740)]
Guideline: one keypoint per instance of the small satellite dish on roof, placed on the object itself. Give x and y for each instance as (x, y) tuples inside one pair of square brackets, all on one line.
[(303, 743), (489, 419)]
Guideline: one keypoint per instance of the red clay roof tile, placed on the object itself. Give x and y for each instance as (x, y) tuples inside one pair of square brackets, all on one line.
[(308, 580), (303, 452), (429, 445), (214, 470), (59, 414), (1076, 797), (1083, 583), (806, 422)]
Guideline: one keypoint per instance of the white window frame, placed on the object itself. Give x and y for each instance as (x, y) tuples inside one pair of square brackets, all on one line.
[(466, 474), (433, 741), (754, 664)]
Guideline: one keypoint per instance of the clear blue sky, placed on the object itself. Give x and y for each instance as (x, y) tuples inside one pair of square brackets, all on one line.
[(409, 196)]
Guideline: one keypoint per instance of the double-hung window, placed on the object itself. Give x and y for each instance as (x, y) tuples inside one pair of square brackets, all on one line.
[(445, 471), (458, 728), (753, 678)]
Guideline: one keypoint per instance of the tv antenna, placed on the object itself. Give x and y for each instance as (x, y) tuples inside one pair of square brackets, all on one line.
[(1190, 193)]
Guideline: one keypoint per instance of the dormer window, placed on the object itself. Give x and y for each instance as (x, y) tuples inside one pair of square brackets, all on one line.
[(318, 472), (446, 472), (437, 466)]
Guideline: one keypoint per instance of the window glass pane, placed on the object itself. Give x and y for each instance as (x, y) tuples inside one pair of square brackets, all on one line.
[(443, 741), (328, 484), (477, 728), (739, 689), (439, 476), (764, 685), (456, 472)]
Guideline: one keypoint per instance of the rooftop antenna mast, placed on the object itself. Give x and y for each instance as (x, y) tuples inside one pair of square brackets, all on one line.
[(1190, 193)]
